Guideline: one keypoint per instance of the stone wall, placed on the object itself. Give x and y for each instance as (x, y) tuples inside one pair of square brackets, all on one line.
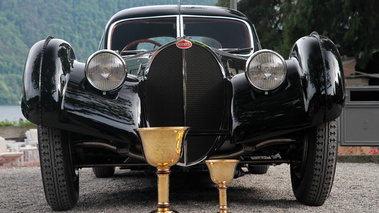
[(15, 132)]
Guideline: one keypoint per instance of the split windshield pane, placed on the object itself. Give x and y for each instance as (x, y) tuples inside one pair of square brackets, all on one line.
[(162, 30), (218, 33)]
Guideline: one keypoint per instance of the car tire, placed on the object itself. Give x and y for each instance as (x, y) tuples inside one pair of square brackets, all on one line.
[(104, 171), (258, 169), (60, 179), (312, 179)]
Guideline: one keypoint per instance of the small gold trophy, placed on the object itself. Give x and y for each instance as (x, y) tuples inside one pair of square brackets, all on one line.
[(162, 147), (222, 172)]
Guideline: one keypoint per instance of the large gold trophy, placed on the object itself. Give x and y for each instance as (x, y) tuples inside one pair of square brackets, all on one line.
[(222, 172), (162, 147)]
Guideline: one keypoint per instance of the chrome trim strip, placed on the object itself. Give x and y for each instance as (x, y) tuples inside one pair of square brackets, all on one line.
[(181, 27), (184, 72), (178, 26)]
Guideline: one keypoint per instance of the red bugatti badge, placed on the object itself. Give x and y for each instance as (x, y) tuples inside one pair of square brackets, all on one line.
[(183, 44)]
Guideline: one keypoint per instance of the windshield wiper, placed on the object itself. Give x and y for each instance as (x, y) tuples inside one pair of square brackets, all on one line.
[(127, 52), (236, 50)]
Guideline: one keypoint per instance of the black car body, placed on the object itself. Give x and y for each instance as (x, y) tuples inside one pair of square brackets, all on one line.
[(195, 66)]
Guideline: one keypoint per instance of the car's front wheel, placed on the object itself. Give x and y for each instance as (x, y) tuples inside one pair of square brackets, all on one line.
[(312, 179), (59, 177)]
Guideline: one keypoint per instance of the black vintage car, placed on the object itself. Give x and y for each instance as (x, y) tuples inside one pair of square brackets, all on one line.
[(195, 66)]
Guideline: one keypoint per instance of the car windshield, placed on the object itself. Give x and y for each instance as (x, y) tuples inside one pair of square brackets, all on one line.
[(146, 34), (217, 32), (161, 30)]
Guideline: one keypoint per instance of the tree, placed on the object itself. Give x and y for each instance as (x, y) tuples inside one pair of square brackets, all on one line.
[(361, 26), (267, 18), (223, 3), (352, 24), (305, 16)]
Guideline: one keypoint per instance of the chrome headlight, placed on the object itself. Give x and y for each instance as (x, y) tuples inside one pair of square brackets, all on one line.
[(266, 70), (105, 70)]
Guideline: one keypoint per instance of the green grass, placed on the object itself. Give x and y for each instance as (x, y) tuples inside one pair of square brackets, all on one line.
[(15, 123)]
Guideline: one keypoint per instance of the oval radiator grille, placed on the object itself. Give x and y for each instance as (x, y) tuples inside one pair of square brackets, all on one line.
[(197, 102)]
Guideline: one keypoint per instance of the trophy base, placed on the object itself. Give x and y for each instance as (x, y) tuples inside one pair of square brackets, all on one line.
[(164, 211)]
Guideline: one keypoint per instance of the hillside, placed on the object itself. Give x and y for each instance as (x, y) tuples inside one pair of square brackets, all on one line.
[(81, 23)]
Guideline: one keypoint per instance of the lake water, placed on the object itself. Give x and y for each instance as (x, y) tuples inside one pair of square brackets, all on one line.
[(11, 113)]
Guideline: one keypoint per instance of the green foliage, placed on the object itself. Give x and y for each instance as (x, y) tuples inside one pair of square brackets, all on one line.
[(361, 26), (25, 123), (352, 24), (15, 123), (10, 87), (304, 17), (81, 23), (266, 17), (8, 123), (223, 3)]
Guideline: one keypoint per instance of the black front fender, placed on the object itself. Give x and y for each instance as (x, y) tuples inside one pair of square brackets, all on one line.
[(313, 93), (55, 94), (46, 74), (322, 77)]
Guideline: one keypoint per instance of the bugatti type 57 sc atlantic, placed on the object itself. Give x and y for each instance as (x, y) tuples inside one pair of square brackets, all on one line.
[(196, 66)]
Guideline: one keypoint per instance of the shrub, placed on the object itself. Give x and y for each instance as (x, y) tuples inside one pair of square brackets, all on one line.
[(15, 123)]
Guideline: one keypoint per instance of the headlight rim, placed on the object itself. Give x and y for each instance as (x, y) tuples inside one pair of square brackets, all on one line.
[(250, 59), (114, 53)]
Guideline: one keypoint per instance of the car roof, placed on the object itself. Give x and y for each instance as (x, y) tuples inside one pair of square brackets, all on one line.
[(163, 10)]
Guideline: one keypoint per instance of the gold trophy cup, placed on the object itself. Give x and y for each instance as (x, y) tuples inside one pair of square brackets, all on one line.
[(162, 147), (222, 172)]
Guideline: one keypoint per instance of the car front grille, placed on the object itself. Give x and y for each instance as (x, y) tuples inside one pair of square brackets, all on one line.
[(186, 88)]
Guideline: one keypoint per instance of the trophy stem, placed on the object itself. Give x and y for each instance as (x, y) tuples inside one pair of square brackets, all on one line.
[(163, 190), (223, 208)]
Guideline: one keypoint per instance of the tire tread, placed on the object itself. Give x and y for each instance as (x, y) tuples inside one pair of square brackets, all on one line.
[(53, 170), (324, 165)]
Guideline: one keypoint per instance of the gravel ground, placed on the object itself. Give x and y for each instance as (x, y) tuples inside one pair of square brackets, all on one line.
[(355, 189)]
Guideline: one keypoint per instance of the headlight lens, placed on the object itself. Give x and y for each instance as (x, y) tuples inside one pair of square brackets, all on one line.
[(266, 70), (106, 70)]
